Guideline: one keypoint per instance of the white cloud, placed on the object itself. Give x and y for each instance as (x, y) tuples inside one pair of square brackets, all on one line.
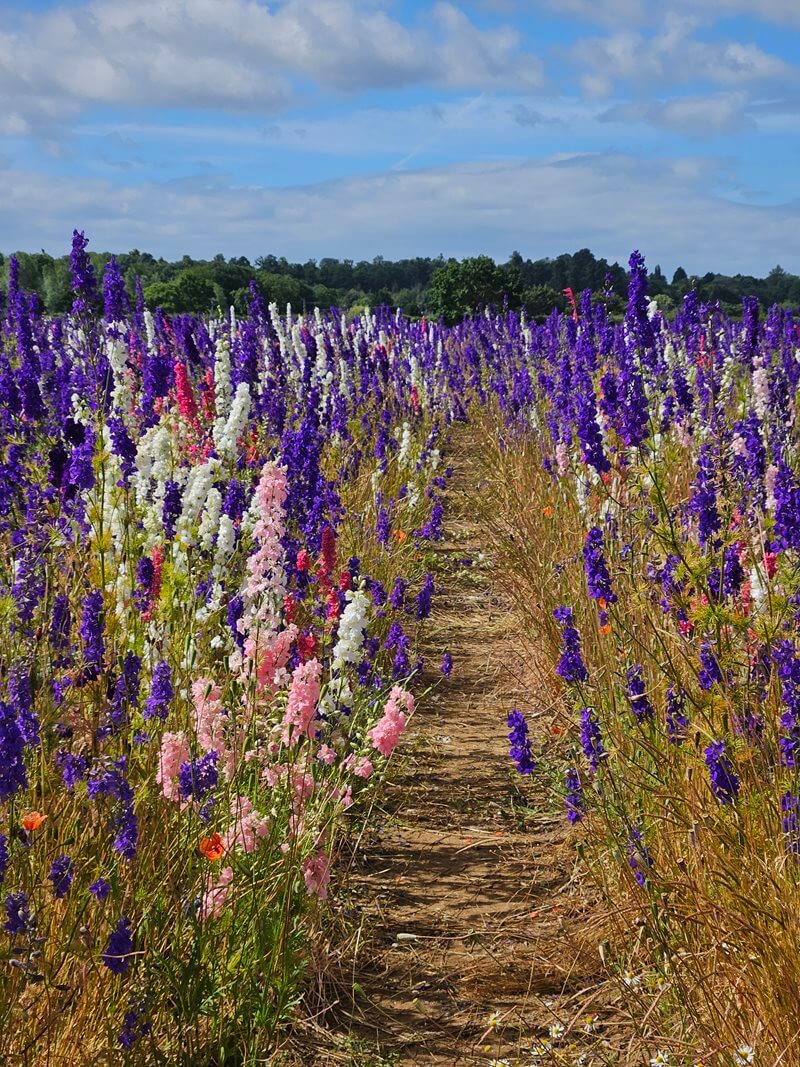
[(240, 55), (672, 55), (694, 116), (609, 203)]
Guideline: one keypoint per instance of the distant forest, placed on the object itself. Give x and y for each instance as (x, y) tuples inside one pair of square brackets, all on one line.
[(421, 286)]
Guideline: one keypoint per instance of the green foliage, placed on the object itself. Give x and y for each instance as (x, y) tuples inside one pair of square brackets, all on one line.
[(457, 289)]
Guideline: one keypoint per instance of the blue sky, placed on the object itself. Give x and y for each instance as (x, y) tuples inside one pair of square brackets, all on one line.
[(356, 128)]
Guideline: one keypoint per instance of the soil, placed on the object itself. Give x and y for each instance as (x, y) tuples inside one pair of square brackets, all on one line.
[(477, 934)]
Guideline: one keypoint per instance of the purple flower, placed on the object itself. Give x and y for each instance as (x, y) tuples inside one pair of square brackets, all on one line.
[(597, 576), (424, 598), (591, 739), (91, 632), (704, 497), (3, 857), (18, 915), (710, 671), (199, 777), (677, 722), (61, 876), (111, 781), (145, 571), (447, 664), (640, 705), (100, 889), (723, 780), (397, 595), (171, 508), (519, 742), (84, 284), (570, 666), (117, 956), (573, 798), (161, 693), (13, 776), (135, 1024), (74, 767), (788, 666), (115, 298)]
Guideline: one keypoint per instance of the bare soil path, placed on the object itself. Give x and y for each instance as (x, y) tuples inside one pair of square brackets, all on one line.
[(468, 895)]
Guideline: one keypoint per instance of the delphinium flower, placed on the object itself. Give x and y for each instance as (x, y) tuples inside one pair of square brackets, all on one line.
[(13, 776), (574, 802), (91, 633), (790, 808), (637, 696), (120, 948), (197, 778), (447, 664), (432, 529), (171, 508), (788, 665), (135, 1024), (710, 670), (161, 693), (397, 595), (591, 739), (677, 721), (111, 781), (4, 857), (60, 622), (724, 781), (424, 598), (19, 919), (115, 299), (597, 576), (520, 743), (786, 494), (385, 734), (84, 283), (73, 766), (704, 497), (639, 859), (100, 889), (145, 571), (570, 666), (21, 693), (61, 875)]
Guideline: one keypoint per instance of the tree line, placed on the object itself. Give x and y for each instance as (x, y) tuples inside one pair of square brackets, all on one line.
[(420, 286)]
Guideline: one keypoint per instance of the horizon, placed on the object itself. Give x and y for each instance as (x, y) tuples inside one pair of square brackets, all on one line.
[(356, 128)]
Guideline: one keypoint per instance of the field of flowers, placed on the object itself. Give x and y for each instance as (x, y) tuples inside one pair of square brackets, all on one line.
[(212, 574), (218, 540)]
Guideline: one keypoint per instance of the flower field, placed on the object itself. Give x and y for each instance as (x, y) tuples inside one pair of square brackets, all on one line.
[(220, 545)]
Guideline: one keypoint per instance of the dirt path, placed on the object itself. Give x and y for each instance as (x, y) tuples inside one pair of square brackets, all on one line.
[(467, 894)]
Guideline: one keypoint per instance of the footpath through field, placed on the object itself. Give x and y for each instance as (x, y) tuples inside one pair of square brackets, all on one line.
[(476, 940)]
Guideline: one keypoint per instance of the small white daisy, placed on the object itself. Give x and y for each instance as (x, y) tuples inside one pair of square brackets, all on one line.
[(661, 1059), (541, 1050), (557, 1030), (493, 1020), (631, 979), (591, 1024), (744, 1054)]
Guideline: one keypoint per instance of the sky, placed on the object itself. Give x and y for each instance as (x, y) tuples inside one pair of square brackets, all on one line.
[(356, 128)]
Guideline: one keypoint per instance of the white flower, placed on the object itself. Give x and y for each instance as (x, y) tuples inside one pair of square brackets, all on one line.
[(541, 1050), (744, 1054), (227, 433), (557, 1030), (591, 1024), (661, 1059), (493, 1020), (352, 626), (631, 979)]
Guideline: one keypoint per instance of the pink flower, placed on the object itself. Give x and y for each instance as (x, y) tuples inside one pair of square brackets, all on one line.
[(214, 899), (363, 768), (174, 752), (326, 755), (385, 734), (248, 828), (301, 708), (209, 716), (317, 874)]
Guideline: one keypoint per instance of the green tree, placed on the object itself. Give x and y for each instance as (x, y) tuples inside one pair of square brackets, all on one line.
[(458, 289)]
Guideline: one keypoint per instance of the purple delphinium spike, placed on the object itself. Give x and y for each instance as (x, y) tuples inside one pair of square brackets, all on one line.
[(723, 780), (161, 693), (570, 666), (639, 859), (637, 696), (61, 875), (573, 799), (120, 948), (591, 739), (519, 742)]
